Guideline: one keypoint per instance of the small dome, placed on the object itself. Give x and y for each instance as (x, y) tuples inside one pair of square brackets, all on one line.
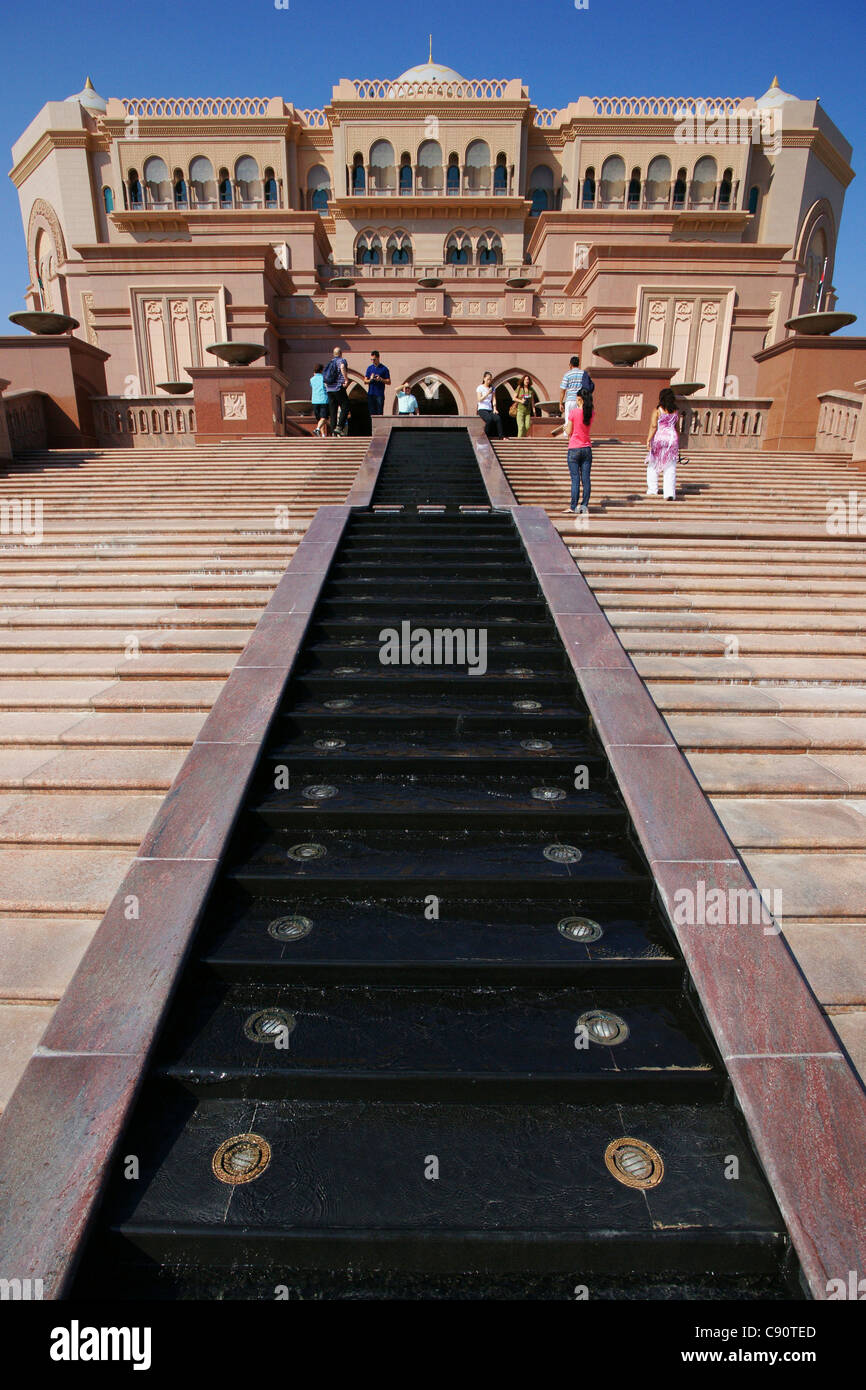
[(774, 96), (90, 99), (430, 72)]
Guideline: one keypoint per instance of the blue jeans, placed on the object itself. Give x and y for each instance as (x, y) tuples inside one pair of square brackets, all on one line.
[(579, 466), (376, 403)]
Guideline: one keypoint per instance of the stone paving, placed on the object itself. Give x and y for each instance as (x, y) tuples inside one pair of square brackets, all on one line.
[(116, 634), (747, 620)]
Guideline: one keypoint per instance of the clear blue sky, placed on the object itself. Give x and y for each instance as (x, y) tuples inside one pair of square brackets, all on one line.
[(615, 47)]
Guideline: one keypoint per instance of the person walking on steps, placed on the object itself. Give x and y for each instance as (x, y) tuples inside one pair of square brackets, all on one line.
[(524, 406), (580, 449), (663, 446), (319, 397), (336, 380), (487, 406)]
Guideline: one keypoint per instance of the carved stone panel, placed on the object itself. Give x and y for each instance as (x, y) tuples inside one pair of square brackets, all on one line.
[(234, 405), (629, 405)]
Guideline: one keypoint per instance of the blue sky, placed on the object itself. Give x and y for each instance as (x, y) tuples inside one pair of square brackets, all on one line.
[(615, 47)]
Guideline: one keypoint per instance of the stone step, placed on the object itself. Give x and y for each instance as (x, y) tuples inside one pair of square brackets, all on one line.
[(129, 693), (82, 769), (83, 818)]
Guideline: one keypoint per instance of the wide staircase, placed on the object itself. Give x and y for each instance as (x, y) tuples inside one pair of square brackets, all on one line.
[(745, 614), (434, 1038), (116, 634)]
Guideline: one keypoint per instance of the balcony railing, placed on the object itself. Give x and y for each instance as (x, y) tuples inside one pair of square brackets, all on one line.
[(837, 421), (143, 422), (416, 272), (654, 196), (472, 183), (26, 419), (722, 422), (196, 202)]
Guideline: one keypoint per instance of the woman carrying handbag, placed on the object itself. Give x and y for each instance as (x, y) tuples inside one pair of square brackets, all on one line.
[(523, 406)]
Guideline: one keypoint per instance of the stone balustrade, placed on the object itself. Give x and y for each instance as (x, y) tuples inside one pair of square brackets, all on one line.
[(26, 420), (724, 422), (415, 272), (838, 419), (124, 422)]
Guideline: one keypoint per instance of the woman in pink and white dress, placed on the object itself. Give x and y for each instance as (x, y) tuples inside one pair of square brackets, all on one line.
[(663, 443)]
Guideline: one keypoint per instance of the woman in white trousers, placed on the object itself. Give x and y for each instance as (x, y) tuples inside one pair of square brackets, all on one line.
[(663, 446)]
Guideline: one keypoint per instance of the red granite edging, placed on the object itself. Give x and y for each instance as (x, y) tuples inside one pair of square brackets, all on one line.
[(802, 1102), (62, 1122), (498, 487)]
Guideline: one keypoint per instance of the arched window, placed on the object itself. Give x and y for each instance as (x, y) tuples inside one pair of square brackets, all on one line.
[(680, 188), (754, 194), (227, 199), (405, 172), (202, 179), (541, 189), (270, 189), (135, 189), (815, 261), (368, 250), (359, 174), (634, 189), (382, 165), (452, 175), (399, 249), (181, 192), (318, 188), (247, 178), (108, 199), (429, 165), (725, 188), (489, 249), (500, 175), (478, 166), (589, 187), (157, 180), (458, 249), (613, 181), (658, 181), (704, 180)]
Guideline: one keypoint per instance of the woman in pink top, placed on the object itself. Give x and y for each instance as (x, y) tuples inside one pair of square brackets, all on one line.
[(663, 444), (580, 449)]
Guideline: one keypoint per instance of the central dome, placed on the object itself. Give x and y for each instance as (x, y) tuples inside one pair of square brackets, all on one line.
[(430, 72)]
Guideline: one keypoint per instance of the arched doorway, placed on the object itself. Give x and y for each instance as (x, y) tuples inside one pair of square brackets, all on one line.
[(503, 394), (359, 410), (434, 395)]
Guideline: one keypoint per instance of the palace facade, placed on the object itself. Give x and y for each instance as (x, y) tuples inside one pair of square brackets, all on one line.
[(452, 224)]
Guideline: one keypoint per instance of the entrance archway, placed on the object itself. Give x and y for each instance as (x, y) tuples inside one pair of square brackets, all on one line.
[(503, 394), (359, 410), (434, 394)]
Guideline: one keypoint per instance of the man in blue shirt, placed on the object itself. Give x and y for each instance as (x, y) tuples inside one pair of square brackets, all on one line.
[(379, 377), (569, 387)]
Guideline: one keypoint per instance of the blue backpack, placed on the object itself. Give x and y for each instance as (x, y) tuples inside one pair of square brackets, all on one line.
[(331, 374)]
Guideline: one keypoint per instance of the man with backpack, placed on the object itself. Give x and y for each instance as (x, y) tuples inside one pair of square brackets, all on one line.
[(336, 381), (574, 380)]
